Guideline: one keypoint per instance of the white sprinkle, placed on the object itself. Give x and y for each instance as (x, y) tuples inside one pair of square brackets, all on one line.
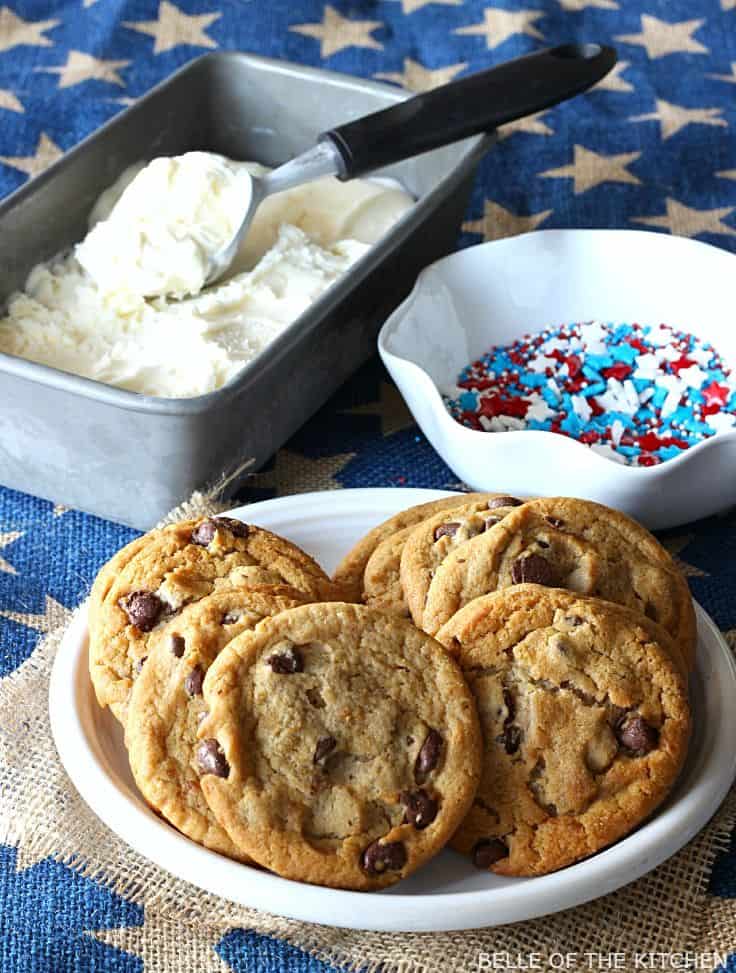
[(539, 409), (694, 376), (506, 424), (671, 402), (645, 395), (721, 422), (647, 367), (486, 423), (540, 363), (551, 384), (660, 335), (617, 431), (581, 408)]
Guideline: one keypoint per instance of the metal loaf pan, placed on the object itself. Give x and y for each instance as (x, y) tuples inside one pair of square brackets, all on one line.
[(131, 458)]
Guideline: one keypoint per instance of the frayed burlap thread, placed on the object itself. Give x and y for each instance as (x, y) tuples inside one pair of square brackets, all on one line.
[(42, 815)]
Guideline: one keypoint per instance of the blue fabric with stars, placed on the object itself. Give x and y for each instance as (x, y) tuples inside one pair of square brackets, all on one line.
[(653, 146)]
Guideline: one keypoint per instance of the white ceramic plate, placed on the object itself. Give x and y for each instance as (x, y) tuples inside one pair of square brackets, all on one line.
[(447, 893), (494, 293)]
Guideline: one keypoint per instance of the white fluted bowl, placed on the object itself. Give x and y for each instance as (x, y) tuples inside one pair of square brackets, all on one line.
[(496, 292)]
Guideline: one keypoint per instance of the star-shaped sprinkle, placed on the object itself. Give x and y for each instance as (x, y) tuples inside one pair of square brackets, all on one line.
[(415, 77), (659, 37), (335, 32), (729, 78), (409, 6), (498, 25), (9, 101), (590, 169), (673, 118), (685, 221), (575, 5), (294, 473), (46, 152), (391, 408), (15, 31), (498, 222), (614, 81), (81, 67), (173, 27), (54, 614), (5, 540), (531, 125)]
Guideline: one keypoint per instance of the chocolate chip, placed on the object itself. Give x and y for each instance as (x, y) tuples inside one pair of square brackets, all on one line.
[(230, 618), (555, 522), (287, 662), (324, 748), (637, 736), (543, 544), (573, 620), (510, 739), (315, 698), (143, 609), (535, 569), (140, 663), (421, 809), (503, 502), (193, 682), (378, 858), (446, 530), (204, 532), (428, 756), (211, 759), (236, 527), (177, 645), (489, 851), (491, 522)]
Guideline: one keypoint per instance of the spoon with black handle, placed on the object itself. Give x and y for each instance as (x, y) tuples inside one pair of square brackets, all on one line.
[(478, 103)]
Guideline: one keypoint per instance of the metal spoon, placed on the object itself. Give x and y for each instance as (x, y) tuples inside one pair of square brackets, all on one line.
[(478, 103)]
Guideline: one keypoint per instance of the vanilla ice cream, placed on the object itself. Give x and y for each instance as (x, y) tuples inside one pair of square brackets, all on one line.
[(161, 234), (85, 312)]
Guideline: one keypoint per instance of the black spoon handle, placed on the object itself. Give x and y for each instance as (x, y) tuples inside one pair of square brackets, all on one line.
[(478, 103)]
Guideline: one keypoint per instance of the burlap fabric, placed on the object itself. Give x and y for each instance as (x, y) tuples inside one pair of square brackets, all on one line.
[(667, 912)]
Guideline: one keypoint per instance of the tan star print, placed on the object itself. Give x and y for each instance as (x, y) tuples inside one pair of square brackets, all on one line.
[(409, 6), (294, 473), (5, 540), (730, 637), (15, 31), (9, 101), (174, 27), (498, 222), (46, 153), (727, 174), (81, 67), (54, 614), (575, 5), (195, 948), (415, 77), (590, 169), (498, 25), (728, 4), (335, 33), (390, 406), (673, 118), (531, 125), (614, 81), (684, 221), (59, 510), (659, 37), (730, 78)]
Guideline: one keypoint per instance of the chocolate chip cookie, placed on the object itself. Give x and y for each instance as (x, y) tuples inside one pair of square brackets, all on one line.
[(342, 745), (166, 704), (172, 568), (567, 543), (432, 540), (585, 725), (349, 572)]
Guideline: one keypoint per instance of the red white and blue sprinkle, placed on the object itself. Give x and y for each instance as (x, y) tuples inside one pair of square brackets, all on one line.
[(636, 394)]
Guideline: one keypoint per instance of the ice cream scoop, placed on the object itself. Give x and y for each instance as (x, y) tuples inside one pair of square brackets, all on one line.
[(478, 103)]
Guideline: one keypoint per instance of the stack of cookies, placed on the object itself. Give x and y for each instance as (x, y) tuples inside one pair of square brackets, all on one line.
[(514, 684)]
